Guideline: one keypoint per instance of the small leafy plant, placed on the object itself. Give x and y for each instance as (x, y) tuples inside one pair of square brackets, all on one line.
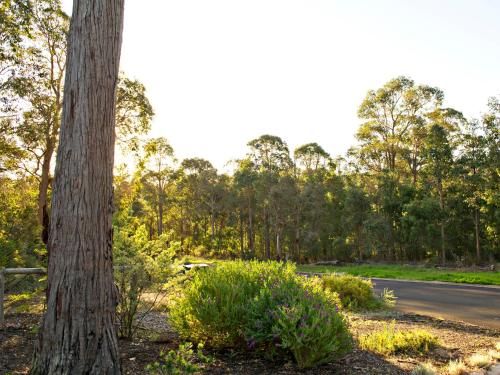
[(179, 362)]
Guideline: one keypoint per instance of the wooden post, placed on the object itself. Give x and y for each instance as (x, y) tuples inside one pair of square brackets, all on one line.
[(2, 287), (14, 271)]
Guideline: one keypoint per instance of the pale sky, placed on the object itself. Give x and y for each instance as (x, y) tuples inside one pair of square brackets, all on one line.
[(222, 72)]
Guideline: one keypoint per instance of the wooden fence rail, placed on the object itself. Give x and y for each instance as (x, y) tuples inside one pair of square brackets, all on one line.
[(14, 271)]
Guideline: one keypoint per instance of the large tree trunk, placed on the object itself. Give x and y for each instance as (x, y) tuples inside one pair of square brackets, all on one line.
[(77, 335)]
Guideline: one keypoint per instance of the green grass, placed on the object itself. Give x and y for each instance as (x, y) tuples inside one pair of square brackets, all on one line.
[(409, 273)]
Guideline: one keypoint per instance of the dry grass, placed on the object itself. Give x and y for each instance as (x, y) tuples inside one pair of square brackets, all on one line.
[(424, 369), (480, 360), (456, 368)]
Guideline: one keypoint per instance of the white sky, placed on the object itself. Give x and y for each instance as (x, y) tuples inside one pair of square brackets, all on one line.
[(222, 72)]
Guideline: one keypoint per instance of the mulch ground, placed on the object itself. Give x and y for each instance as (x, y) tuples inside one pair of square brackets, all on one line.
[(458, 341)]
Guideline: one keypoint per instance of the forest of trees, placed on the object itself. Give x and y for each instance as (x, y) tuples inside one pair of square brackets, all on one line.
[(420, 184)]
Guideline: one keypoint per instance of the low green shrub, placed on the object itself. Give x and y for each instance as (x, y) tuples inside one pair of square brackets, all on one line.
[(391, 341), (179, 362), (215, 305), (354, 292), (299, 316), (262, 305)]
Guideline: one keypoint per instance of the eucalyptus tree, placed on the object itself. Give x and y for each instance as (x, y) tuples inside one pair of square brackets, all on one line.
[(311, 157), (244, 180), (392, 114), (439, 166), (271, 159), (472, 160), (78, 333), (158, 164), (38, 86), (15, 16), (491, 126), (198, 182)]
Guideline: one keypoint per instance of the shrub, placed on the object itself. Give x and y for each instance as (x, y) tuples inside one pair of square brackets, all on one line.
[(179, 362), (135, 271), (354, 292), (262, 305), (215, 305), (299, 316), (390, 341)]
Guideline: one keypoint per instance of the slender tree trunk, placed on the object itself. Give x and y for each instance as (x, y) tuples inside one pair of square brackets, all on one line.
[(160, 213), (78, 333), (43, 188), (242, 237), (251, 242), (212, 227), (278, 245), (267, 235), (476, 227), (360, 243), (443, 239)]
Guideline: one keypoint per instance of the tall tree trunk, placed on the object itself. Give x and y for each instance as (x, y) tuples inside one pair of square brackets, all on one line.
[(160, 213), (212, 227), (43, 188), (360, 242), (242, 236), (251, 242), (476, 227), (443, 239), (78, 334), (278, 245), (267, 235)]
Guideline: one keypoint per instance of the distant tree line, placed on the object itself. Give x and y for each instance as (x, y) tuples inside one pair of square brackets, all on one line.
[(422, 182)]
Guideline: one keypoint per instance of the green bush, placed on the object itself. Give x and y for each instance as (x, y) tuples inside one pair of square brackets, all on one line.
[(263, 305), (299, 316), (390, 341), (215, 306), (354, 292), (179, 362)]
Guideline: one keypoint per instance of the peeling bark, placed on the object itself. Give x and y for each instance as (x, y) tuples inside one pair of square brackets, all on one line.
[(78, 334)]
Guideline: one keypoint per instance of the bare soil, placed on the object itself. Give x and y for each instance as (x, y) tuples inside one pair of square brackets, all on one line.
[(458, 341)]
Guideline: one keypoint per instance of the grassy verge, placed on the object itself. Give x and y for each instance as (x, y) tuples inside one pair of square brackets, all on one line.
[(409, 273)]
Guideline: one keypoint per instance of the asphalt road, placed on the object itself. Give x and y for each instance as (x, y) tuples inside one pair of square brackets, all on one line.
[(469, 303)]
